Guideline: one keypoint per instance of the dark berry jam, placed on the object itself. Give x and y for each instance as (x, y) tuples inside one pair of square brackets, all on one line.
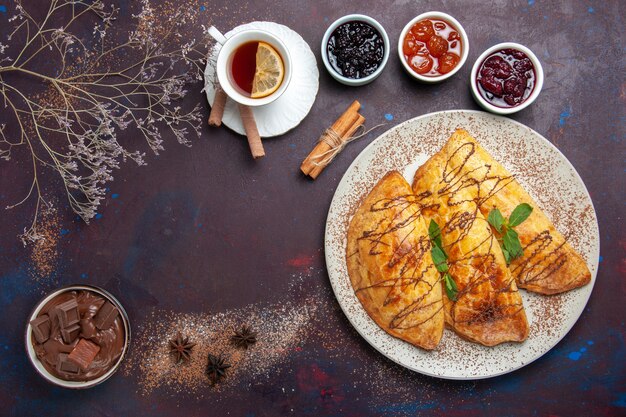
[(506, 78), (355, 49)]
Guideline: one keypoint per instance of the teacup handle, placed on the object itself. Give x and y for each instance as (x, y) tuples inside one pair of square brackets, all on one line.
[(217, 35)]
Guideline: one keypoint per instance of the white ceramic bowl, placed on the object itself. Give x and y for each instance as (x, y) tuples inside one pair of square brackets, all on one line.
[(506, 110), (464, 42), (75, 384), (355, 81)]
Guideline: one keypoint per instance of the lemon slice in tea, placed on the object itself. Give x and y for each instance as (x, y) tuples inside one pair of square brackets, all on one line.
[(269, 73)]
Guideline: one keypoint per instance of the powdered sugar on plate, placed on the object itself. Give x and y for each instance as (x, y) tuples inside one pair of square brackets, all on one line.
[(539, 167)]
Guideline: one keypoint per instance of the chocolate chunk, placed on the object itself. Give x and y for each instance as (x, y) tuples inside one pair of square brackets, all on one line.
[(70, 333), (67, 313), (66, 367), (41, 328), (84, 353), (87, 328), (106, 316), (52, 347)]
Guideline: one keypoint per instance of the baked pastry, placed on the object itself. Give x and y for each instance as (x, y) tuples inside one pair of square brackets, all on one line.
[(549, 264), (488, 308), (390, 267)]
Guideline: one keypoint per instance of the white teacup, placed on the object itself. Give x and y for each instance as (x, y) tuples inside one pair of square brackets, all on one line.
[(225, 57)]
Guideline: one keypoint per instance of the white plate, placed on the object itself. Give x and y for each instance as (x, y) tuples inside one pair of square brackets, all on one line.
[(293, 105), (543, 171)]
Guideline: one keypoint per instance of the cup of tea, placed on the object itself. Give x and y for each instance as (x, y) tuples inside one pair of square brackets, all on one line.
[(253, 66)]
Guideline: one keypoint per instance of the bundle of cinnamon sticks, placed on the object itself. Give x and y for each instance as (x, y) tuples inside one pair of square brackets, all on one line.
[(332, 141), (247, 118)]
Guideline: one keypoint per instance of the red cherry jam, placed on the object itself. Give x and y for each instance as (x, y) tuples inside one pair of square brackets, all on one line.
[(432, 47), (506, 78)]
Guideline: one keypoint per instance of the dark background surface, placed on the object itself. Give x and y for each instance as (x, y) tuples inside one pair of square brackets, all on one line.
[(207, 229)]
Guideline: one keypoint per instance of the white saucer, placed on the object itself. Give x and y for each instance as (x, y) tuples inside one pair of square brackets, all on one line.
[(289, 109)]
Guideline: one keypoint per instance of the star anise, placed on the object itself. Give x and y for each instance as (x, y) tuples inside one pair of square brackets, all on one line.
[(181, 348), (216, 368), (244, 337)]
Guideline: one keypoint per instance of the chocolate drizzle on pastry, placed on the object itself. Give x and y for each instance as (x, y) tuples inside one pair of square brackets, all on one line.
[(477, 179), (389, 261), (390, 267), (549, 264), (488, 308), (408, 256)]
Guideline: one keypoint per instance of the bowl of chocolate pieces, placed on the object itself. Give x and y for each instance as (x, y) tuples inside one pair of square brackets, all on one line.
[(77, 336)]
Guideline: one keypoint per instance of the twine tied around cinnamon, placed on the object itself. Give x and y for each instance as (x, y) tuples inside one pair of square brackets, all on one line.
[(337, 144), (333, 140)]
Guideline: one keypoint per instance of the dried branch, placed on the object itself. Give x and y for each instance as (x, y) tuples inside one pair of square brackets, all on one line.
[(94, 91)]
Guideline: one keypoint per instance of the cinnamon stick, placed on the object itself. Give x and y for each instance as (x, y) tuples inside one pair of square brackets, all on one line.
[(349, 120), (252, 133), (217, 109), (317, 169)]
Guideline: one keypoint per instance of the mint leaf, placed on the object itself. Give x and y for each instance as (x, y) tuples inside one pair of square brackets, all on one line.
[(520, 214), (511, 243), (496, 219), (434, 233), (451, 288), (439, 258), (507, 257)]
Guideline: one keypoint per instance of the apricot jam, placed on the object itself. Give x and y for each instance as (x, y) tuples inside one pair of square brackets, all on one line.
[(432, 47)]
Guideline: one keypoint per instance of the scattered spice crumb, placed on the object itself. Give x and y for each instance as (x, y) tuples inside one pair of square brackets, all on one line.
[(44, 255), (283, 327)]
